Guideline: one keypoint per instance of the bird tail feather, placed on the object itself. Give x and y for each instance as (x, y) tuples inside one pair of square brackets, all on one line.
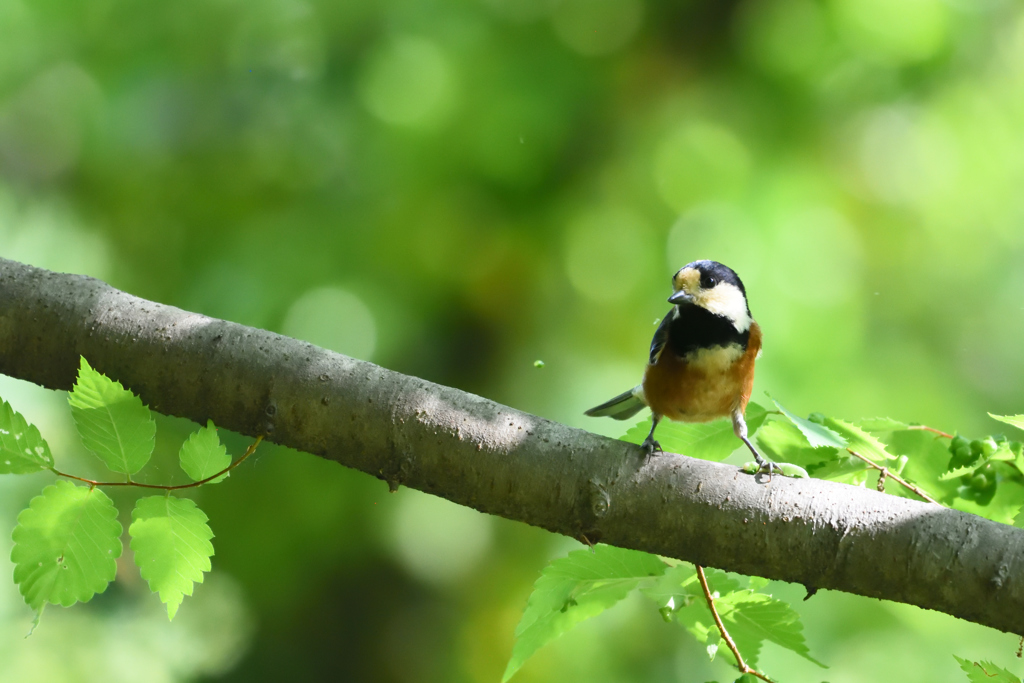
[(622, 407)]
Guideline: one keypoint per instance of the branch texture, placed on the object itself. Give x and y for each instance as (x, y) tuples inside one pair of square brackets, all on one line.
[(505, 462)]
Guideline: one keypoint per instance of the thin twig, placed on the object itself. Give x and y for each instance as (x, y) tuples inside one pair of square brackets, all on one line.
[(740, 664), (249, 451), (896, 478), (933, 430)]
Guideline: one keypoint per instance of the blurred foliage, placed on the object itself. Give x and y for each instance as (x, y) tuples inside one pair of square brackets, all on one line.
[(455, 188)]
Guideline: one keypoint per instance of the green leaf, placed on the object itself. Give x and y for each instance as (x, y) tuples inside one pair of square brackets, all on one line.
[(817, 435), (171, 542), (1015, 420), (956, 473), (203, 455), (691, 607), (65, 545), (112, 421), (22, 449), (751, 618), (859, 440), (1000, 505), (928, 456), (985, 672), (790, 470), (881, 424), (781, 441), (676, 588), (705, 440), (574, 588)]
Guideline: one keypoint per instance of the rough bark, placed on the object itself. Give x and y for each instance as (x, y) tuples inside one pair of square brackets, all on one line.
[(505, 462)]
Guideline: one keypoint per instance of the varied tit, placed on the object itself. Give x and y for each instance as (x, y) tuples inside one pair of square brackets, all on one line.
[(701, 365)]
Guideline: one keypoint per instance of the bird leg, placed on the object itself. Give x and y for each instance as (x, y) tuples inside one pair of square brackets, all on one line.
[(649, 444), (739, 427)]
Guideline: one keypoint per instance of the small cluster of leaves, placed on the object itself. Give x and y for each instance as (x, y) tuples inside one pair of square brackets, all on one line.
[(68, 539), (984, 476), (985, 672), (587, 582)]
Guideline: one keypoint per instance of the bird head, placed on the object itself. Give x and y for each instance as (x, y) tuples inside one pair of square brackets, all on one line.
[(714, 287)]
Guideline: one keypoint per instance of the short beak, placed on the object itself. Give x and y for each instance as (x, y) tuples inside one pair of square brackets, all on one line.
[(680, 297)]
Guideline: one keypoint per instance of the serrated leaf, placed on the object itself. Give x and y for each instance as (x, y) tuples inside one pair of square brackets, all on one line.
[(705, 440), (678, 586), (22, 449), (956, 473), (691, 610), (65, 545), (751, 618), (1015, 420), (1018, 520), (817, 435), (171, 542), (781, 441), (985, 672), (844, 468), (881, 424), (859, 440), (112, 421), (577, 587), (203, 455)]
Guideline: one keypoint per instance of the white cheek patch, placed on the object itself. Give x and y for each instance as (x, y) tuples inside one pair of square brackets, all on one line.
[(728, 301)]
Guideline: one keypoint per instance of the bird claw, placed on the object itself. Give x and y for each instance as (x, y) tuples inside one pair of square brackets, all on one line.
[(651, 446), (768, 467)]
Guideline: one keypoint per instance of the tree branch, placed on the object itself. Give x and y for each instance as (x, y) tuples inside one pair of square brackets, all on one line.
[(502, 461)]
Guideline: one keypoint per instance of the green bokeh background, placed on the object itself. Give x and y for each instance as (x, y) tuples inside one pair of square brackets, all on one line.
[(457, 188)]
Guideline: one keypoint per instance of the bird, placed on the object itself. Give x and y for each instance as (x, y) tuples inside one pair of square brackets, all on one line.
[(701, 363)]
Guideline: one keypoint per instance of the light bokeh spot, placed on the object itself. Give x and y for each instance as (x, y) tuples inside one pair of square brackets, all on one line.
[(720, 232), (43, 126), (784, 36), (906, 157), (408, 81), (699, 161), (50, 236), (279, 36), (898, 32), (818, 257), (597, 27), (606, 253), (436, 540), (335, 319)]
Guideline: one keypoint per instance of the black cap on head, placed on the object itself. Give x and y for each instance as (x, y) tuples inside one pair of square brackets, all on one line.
[(713, 272)]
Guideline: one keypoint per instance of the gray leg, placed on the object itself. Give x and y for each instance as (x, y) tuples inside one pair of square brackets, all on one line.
[(649, 444), (739, 427)]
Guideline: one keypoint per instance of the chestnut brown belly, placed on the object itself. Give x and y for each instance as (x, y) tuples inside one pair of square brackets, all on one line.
[(706, 384)]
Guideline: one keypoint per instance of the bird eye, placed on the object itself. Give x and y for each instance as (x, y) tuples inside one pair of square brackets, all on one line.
[(708, 281)]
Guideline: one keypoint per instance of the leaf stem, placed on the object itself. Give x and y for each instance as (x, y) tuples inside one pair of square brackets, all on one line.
[(885, 472), (933, 430), (249, 451), (740, 664)]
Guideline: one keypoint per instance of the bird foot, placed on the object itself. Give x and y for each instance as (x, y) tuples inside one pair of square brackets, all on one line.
[(768, 467), (651, 446)]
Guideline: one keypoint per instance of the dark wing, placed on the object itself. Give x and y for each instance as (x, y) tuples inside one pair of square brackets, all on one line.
[(661, 336)]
